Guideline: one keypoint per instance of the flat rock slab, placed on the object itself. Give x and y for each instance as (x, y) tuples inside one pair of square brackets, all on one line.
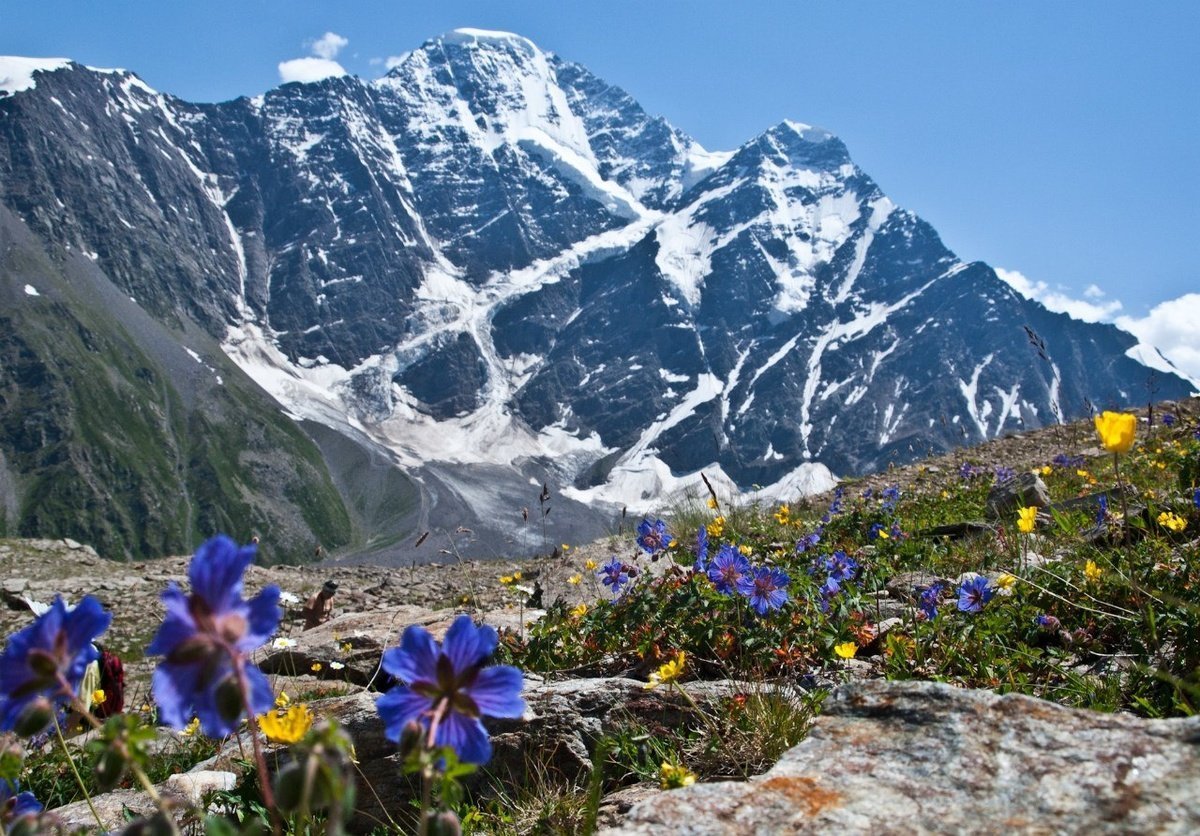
[(922, 757)]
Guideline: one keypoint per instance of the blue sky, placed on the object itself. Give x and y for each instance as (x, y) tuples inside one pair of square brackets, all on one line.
[(1059, 140)]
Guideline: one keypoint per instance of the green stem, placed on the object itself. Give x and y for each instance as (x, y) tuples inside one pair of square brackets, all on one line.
[(264, 778), (74, 771)]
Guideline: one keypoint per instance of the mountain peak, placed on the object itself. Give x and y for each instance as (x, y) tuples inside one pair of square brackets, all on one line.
[(475, 37), (16, 72)]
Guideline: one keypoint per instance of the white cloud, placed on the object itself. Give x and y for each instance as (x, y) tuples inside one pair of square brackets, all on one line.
[(394, 61), (1171, 328), (328, 45), (309, 69), (1058, 301)]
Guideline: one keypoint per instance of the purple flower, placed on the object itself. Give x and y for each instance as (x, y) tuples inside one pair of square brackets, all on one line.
[(1168, 419), (449, 686), (1067, 462), (835, 507), (1048, 623), (48, 658), (873, 534), (890, 495), (897, 533), (613, 574), (14, 804), (765, 587), (206, 638), (652, 536), (929, 598), (727, 569), (968, 471), (810, 541), (974, 593), (1196, 497), (701, 564), (1102, 509), (840, 566), (1003, 474)]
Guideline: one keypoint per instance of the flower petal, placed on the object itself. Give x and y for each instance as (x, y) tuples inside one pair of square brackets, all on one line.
[(497, 691), (174, 687), (177, 626), (416, 657), (466, 736), (216, 572), (467, 645), (397, 707), (262, 618)]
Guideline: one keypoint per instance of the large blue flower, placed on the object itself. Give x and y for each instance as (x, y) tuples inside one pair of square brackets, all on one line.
[(206, 638), (14, 804), (765, 587), (48, 658), (449, 685), (652, 536), (727, 568), (973, 593), (614, 575)]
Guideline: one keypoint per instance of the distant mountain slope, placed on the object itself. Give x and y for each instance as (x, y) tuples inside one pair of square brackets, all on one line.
[(492, 268)]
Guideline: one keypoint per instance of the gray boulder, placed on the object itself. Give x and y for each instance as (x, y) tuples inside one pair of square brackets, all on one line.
[(922, 757), (1025, 490)]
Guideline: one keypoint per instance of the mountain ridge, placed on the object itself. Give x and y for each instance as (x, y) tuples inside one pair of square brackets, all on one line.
[(492, 258)]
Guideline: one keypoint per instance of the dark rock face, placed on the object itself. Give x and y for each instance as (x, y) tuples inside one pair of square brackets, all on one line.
[(492, 241), (922, 757)]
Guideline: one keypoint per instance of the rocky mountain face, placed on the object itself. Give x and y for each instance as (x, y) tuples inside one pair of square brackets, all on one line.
[(489, 271)]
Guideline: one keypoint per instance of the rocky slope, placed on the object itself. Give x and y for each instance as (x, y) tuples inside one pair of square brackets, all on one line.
[(490, 270)]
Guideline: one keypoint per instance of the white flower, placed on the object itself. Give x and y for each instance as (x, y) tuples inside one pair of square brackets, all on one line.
[(288, 598), (281, 643), (337, 666)]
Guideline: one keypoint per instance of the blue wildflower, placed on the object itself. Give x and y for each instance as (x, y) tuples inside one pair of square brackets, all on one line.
[(835, 507), (1067, 462), (1102, 509), (15, 804), (1168, 419), (206, 638), (810, 541), (48, 658), (974, 593), (840, 566), (967, 471), (873, 534), (765, 587), (701, 564), (652, 536), (1048, 623), (447, 688), (896, 531), (1003, 474), (929, 598), (1196, 497), (890, 496), (614, 575), (727, 569)]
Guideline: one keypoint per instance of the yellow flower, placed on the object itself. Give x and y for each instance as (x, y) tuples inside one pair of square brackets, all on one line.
[(669, 672), (346, 647), (1166, 519), (846, 650), (316, 667), (712, 503), (565, 547), (1047, 470), (580, 611), (1026, 519), (507, 580), (783, 514), (1116, 430), (945, 494), (1005, 581), (98, 696), (717, 527), (590, 565), (1092, 571), (746, 550), (281, 702), (575, 579), (673, 777), (286, 726), (191, 728)]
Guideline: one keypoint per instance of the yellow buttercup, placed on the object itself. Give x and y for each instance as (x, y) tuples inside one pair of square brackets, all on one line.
[(1116, 430)]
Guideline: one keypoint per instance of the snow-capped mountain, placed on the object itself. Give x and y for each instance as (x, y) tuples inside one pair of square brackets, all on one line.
[(492, 269)]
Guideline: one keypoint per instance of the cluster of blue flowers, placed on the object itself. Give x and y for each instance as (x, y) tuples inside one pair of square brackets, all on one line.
[(835, 507), (1068, 462), (732, 574), (615, 575), (839, 570), (206, 640), (928, 598), (810, 541)]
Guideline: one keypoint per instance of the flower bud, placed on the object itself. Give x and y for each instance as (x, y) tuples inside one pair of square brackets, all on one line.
[(229, 700), (411, 738), (444, 823), (34, 717), (110, 766), (289, 788)]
